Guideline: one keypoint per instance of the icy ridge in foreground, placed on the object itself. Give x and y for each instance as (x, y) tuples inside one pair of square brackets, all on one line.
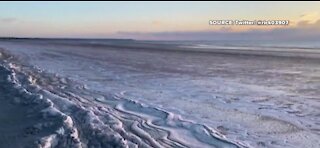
[(69, 115)]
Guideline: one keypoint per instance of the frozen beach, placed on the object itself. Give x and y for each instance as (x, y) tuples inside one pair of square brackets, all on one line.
[(127, 93)]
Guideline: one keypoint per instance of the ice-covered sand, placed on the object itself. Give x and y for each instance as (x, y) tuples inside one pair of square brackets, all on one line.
[(80, 93)]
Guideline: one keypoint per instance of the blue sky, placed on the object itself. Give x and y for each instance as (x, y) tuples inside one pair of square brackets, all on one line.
[(145, 20)]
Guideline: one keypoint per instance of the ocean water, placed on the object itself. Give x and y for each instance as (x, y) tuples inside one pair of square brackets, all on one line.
[(127, 93), (299, 44)]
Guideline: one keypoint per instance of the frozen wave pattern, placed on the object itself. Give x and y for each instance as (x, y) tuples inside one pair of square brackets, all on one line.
[(66, 114)]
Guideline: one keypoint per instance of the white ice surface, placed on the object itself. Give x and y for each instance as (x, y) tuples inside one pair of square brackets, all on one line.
[(262, 101)]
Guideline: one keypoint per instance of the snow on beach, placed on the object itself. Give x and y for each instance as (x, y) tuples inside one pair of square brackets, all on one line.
[(134, 93)]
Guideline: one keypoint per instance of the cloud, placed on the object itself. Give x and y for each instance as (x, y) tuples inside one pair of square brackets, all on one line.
[(304, 30), (303, 23), (155, 22), (8, 20), (308, 24), (311, 16)]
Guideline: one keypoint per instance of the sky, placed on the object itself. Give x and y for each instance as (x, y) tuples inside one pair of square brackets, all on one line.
[(159, 20)]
